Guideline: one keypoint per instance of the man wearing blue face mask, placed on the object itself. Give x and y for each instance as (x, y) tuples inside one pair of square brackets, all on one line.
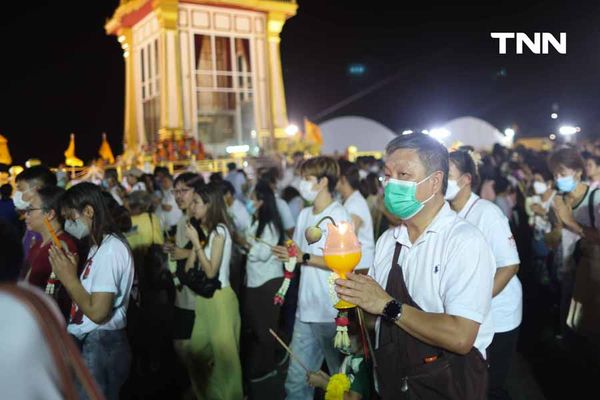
[(578, 211), (431, 284)]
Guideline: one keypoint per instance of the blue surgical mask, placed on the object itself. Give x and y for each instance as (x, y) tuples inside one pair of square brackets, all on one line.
[(400, 198), (77, 228), (566, 184), (250, 207)]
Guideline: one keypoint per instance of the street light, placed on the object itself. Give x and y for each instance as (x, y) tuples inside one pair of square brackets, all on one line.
[(291, 130), (568, 130), (439, 133), (554, 115), (509, 133), (407, 132)]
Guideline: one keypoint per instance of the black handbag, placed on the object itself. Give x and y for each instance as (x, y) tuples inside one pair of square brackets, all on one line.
[(196, 279)]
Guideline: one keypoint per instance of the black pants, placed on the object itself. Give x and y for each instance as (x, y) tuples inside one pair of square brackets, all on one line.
[(260, 315), (500, 354)]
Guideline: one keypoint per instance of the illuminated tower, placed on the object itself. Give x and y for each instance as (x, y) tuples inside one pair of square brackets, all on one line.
[(210, 69)]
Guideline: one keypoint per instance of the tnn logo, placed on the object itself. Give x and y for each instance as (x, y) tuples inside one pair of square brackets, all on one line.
[(539, 44)]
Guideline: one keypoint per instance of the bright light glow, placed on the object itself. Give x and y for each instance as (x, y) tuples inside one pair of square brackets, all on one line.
[(126, 54), (568, 130), (343, 227), (425, 131), (124, 46), (245, 164), (554, 115), (253, 134), (291, 130), (121, 38), (552, 136), (510, 133), (407, 132), (439, 133), (237, 149)]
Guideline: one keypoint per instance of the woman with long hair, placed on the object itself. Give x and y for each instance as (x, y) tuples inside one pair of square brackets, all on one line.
[(214, 341), (101, 294), (264, 272)]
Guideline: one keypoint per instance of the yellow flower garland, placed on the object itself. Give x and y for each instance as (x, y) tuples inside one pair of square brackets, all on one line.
[(337, 386)]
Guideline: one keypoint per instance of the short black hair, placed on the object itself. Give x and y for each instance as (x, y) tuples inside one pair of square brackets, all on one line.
[(215, 177), (188, 179), (231, 166), (6, 191), (51, 199), (349, 170), (38, 174), (161, 170), (227, 187), (432, 153)]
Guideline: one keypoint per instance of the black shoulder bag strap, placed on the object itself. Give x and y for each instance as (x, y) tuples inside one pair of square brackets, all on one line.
[(591, 208)]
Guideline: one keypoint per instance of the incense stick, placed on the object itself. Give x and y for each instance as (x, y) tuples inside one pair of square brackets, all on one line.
[(295, 357)]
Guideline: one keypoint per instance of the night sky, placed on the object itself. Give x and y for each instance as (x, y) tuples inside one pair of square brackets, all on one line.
[(434, 61)]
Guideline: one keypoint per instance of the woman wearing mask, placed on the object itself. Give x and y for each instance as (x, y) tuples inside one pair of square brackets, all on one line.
[(215, 334), (507, 301), (264, 274), (44, 205), (577, 209), (537, 206), (101, 294)]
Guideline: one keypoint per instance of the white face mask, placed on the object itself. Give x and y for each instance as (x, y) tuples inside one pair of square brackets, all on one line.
[(76, 228), (307, 192), (20, 204), (452, 190), (540, 187)]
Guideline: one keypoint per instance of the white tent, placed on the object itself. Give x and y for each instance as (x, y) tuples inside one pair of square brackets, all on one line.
[(474, 132), (364, 133)]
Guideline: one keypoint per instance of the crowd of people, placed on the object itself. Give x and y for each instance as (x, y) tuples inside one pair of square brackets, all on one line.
[(170, 286)]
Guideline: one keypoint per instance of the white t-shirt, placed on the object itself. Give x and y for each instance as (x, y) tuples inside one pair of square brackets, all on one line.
[(507, 306), (314, 303), (240, 216), (357, 205), (449, 269), (285, 213), (27, 369), (262, 265), (109, 269), (226, 258), (168, 219), (581, 213)]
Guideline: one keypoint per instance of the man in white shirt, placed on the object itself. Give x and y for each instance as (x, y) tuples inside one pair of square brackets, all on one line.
[(357, 207), (437, 271), (238, 180), (314, 329), (236, 209), (133, 177)]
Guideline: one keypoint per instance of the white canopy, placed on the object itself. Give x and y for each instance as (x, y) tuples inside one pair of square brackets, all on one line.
[(474, 132), (364, 133)]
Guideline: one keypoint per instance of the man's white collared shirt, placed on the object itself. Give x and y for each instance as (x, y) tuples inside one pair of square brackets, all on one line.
[(449, 269)]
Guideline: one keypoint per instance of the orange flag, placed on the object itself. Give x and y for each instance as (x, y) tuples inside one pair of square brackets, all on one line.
[(105, 151), (312, 132)]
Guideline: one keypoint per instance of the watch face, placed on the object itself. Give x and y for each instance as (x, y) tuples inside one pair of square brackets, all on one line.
[(392, 310)]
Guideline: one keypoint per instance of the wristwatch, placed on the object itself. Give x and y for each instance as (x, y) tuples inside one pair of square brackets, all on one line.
[(305, 258), (392, 310)]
